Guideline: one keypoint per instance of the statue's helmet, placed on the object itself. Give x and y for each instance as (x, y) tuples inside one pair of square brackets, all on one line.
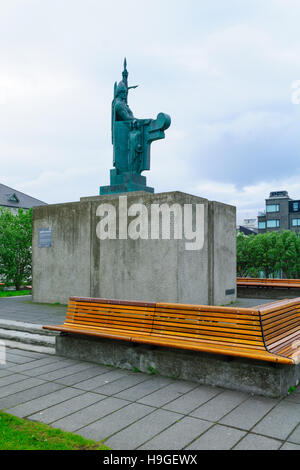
[(121, 88)]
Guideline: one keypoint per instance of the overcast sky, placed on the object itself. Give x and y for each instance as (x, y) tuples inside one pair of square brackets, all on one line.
[(224, 71)]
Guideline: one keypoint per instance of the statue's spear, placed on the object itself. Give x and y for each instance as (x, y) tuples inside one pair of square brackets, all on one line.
[(125, 78)]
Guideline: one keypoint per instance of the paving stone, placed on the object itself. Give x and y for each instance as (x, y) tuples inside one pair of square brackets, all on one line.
[(5, 372), (74, 379), (95, 382), (144, 388), (248, 413), (290, 446), (280, 421), (189, 401), (122, 384), (167, 394), (220, 405), (44, 402), (43, 370), (18, 386), (26, 353), (115, 422), (293, 398), (146, 428), (18, 359), (37, 363), (217, 438), (23, 309), (295, 436), (255, 442), (53, 413), (89, 414), (30, 394), (178, 435), (12, 378), (7, 365), (65, 371)]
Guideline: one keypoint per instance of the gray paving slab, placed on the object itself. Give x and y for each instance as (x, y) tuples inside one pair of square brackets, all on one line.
[(248, 413), (293, 398), (290, 446), (217, 438), (167, 394), (179, 435), (19, 386), (191, 400), (27, 395), (122, 383), (26, 353), (145, 388), (23, 309), (7, 365), (280, 422), (220, 405), (47, 368), (90, 414), (65, 371), (106, 377), (43, 402), (143, 430), (10, 379), (5, 372), (255, 442), (295, 436), (55, 412), (81, 376), (115, 421), (17, 358), (36, 363)]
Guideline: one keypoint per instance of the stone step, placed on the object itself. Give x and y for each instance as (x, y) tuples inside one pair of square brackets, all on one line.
[(29, 347), (25, 327), (27, 338)]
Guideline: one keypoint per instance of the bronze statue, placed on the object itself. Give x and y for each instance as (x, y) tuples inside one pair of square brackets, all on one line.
[(131, 139)]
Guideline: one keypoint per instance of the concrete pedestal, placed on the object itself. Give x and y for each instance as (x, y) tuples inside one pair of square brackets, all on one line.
[(245, 375), (69, 258)]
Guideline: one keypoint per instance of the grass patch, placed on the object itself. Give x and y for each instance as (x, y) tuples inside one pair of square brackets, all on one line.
[(22, 434), (14, 293)]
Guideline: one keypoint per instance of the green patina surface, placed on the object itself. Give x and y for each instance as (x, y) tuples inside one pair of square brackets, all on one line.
[(131, 139)]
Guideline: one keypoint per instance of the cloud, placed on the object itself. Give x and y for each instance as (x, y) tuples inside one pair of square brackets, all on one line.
[(223, 71), (249, 199)]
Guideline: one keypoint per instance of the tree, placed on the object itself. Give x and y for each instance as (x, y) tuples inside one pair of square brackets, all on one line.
[(15, 247), (271, 253)]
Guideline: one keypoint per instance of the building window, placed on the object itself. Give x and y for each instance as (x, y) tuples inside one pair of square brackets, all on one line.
[(261, 224), (272, 207), (295, 207), (296, 222), (273, 223)]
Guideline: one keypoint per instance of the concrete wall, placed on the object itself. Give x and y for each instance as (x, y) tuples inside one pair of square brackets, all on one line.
[(78, 263)]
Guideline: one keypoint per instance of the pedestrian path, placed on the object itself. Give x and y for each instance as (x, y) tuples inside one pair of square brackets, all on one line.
[(133, 410), (24, 310)]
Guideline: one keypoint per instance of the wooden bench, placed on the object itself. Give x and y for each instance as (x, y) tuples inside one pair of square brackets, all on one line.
[(270, 332), (272, 283)]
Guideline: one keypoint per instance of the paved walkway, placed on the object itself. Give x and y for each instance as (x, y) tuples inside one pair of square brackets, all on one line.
[(138, 411), (135, 410), (23, 309)]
